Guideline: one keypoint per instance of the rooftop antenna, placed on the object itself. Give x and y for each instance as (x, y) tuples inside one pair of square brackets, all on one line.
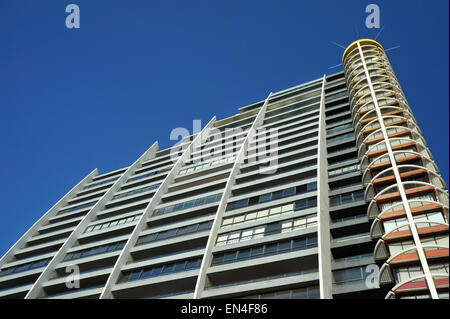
[(338, 45), (393, 48), (335, 66), (379, 33)]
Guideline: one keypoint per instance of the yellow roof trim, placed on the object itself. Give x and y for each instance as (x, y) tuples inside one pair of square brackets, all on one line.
[(354, 44)]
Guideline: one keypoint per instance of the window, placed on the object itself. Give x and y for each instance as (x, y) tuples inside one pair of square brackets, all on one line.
[(181, 231), (273, 196), (265, 250), (346, 198), (160, 270), (188, 204)]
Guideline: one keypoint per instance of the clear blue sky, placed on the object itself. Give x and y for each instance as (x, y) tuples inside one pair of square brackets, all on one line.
[(99, 96)]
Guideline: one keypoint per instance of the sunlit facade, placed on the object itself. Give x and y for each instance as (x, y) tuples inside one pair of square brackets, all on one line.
[(323, 190)]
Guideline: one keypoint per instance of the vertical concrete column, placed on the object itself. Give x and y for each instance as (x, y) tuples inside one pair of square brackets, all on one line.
[(36, 289), (401, 189), (207, 256), (8, 256), (162, 189), (323, 212)]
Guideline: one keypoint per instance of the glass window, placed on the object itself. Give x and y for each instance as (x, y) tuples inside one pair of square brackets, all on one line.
[(287, 208), (346, 198), (311, 241), (217, 259), (264, 198), (239, 204), (301, 204), (278, 195), (168, 268), (227, 221), (244, 254), (284, 246), (270, 249), (147, 273), (238, 219), (247, 234), (204, 226), (259, 232), (275, 211), (301, 293), (179, 266), (256, 251), (250, 216), (221, 239), (263, 214), (289, 192), (300, 223), (134, 275), (228, 257), (286, 226), (234, 237), (312, 187), (312, 202), (299, 243)]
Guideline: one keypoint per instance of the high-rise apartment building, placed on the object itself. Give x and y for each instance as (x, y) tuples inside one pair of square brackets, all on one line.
[(323, 190)]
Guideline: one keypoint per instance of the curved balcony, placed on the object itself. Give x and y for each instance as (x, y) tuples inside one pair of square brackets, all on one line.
[(396, 130), (389, 119), (418, 285), (389, 107), (402, 157), (397, 211), (397, 144), (390, 196), (407, 172), (393, 132)]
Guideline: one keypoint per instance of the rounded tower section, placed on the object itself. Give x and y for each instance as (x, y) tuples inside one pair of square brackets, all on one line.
[(408, 204)]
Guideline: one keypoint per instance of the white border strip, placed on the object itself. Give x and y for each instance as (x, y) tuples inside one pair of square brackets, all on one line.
[(400, 187), (162, 189), (207, 256)]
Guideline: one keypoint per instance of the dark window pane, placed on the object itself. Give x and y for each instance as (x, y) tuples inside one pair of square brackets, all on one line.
[(256, 251), (168, 268), (346, 198), (312, 187), (146, 273), (204, 226), (270, 249), (300, 293), (264, 198), (299, 243), (134, 275), (311, 241), (217, 260), (277, 195), (188, 205), (179, 266), (312, 202), (301, 204), (199, 202), (157, 270), (273, 228), (244, 254), (227, 257), (289, 192), (284, 246), (192, 264)]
